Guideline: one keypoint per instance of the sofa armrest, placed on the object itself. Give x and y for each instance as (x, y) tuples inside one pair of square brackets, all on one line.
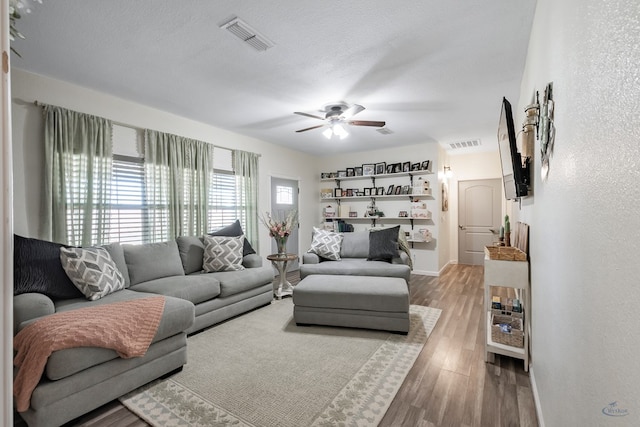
[(252, 261), (30, 306), (402, 259), (310, 258)]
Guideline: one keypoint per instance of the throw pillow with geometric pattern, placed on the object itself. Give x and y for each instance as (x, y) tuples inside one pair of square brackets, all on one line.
[(222, 253), (326, 244), (92, 271)]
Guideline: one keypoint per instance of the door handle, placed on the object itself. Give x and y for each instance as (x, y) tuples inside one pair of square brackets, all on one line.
[(462, 227)]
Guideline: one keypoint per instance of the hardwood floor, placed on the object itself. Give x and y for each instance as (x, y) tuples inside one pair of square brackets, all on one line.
[(449, 384)]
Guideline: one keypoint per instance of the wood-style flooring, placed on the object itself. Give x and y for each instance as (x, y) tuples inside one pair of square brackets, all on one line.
[(449, 385)]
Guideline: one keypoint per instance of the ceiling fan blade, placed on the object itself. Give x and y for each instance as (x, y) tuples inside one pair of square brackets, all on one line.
[(308, 115), (352, 111), (312, 127), (366, 123)]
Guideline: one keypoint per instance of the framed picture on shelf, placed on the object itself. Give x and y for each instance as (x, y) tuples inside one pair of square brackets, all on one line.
[(415, 166), (342, 174), (367, 191), (405, 189), (358, 170), (353, 214), (397, 167), (326, 193), (337, 192), (333, 174), (351, 172), (389, 190), (360, 193), (403, 214), (389, 168), (425, 165), (406, 166), (380, 191), (398, 190), (324, 175), (349, 192), (368, 169), (380, 168)]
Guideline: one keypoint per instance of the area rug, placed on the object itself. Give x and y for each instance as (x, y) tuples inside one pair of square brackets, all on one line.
[(260, 369)]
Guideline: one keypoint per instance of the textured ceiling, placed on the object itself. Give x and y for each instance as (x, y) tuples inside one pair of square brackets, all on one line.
[(435, 71)]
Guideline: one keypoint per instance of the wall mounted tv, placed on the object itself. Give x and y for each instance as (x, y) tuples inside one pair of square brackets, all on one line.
[(515, 171)]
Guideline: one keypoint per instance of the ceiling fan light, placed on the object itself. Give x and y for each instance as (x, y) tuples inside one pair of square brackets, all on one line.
[(339, 130), (328, 133)]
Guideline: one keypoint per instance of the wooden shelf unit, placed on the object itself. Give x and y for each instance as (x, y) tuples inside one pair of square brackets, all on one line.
[(507, 274)]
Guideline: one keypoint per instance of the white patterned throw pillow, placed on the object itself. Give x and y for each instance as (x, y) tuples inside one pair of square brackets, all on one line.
[(326, 244), (222, 253), (92, 271)]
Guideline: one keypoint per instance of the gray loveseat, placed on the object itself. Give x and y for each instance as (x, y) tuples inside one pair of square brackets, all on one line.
[(354, 253), (78, 380)]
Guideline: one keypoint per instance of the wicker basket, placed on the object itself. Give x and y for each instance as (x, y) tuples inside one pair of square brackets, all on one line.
[(506, 313), (505, 253), (515, 338)]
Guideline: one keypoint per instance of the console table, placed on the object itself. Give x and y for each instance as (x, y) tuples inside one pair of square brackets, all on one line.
[(281, 286), (507, 274)]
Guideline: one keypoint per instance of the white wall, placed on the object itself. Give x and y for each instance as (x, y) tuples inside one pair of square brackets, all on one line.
[(426, 255), (584, 219), (28, 150)]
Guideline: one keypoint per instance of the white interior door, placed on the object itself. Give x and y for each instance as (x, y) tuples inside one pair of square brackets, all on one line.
[(479, 218), (284, 199)]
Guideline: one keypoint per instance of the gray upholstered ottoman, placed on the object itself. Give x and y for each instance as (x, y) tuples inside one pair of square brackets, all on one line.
[(352, 301)]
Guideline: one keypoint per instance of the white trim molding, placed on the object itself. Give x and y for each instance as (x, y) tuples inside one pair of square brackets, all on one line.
[(536, 396)]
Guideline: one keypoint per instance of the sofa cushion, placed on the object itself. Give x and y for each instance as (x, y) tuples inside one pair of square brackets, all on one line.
[(117, 255), (177, 317), (326, 244), (235, 230), (92, 271), (37, 268), (191, 251), (152, 261), (355, 245), (195, 288), (358, 267), (222, 253), (234, 282), (383, 244)]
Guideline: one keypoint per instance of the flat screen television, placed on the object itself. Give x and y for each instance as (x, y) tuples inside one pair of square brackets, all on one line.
[(515, 172)]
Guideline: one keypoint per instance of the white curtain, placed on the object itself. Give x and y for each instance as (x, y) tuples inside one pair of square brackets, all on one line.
[(245, 166)]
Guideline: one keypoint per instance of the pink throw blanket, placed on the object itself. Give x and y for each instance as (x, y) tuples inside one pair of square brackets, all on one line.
[(127, 327)]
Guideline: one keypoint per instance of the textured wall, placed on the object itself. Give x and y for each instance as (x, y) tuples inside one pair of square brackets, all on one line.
[(584, 219)]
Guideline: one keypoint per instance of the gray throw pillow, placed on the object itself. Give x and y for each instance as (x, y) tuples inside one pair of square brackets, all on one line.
[(222, 253), (326, 244), (92, 271), (234, 230), (383, 244)]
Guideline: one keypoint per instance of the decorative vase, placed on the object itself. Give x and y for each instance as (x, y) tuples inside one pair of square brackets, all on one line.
[(281, 243)]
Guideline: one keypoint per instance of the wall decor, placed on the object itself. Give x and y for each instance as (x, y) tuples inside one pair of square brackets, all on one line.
[(425, 165), (380, 168), (358, 170), (351, 172), (547, 130), (368, 169), (415, 167), (445, 196), (390, 190), (406, 166)]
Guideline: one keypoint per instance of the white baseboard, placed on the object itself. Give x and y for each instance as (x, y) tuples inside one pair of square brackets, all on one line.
[(536, 396), (425, 273)]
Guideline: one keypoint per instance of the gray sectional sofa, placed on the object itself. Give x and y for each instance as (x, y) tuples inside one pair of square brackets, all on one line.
[(78, 380)]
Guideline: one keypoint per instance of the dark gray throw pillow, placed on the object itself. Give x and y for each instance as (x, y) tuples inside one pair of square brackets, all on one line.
[(37, 268), (234, 230), (383, 244)]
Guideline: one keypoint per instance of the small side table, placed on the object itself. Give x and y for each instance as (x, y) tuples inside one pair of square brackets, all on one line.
[(281, 286)]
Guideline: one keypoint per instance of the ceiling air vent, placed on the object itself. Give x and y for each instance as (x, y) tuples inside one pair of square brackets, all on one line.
[(248, 35), (465, 144), (385, 131)]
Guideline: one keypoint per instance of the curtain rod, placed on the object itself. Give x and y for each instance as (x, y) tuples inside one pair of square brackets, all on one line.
[(130, 126)]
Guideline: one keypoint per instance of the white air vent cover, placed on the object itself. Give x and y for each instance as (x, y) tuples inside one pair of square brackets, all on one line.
[(385, 131), (248, 35), (465, 144)]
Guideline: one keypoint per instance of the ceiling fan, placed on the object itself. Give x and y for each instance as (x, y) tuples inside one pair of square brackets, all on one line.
[(337, 115)]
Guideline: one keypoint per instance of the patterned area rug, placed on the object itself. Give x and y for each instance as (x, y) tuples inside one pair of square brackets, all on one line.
[(260, 369)]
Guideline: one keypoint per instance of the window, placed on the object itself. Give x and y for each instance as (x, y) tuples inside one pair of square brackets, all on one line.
[(284, 195), (128, 213)]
